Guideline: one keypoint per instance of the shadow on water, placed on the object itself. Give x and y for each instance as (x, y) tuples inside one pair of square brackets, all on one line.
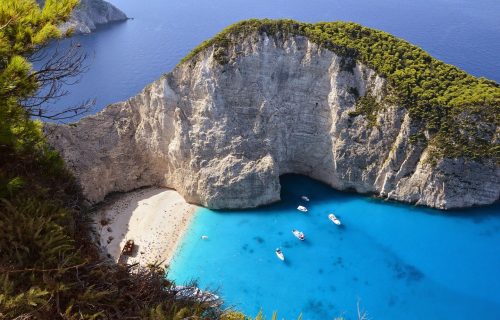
[(476, 214), (102, 32), (317, 307), (405, 272), (294, 186), (112, 25), (259, 240)]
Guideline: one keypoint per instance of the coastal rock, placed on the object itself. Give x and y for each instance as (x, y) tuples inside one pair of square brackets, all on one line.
[(222, 134), (90, 13)]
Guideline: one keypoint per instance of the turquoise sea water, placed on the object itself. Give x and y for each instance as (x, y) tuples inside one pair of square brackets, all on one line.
[(398, 261)]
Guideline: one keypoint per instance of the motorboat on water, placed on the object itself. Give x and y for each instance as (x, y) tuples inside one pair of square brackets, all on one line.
[(305, 198), (204, 237), (280, 254), (334, 219), (299, 234), (302, 208)]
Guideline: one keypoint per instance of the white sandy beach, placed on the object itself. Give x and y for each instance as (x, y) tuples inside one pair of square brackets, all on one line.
[(155, 218)]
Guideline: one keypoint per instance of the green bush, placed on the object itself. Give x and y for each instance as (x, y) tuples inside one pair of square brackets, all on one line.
[(368, 106)]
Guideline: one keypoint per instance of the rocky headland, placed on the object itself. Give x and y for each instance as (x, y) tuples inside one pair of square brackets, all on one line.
[(89, 14), (265, 98)]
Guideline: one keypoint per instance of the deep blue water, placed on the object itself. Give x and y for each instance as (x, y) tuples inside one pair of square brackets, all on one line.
[(127, 56), (399, 261)]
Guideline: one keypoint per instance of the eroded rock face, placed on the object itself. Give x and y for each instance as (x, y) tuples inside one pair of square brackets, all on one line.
[(90, 13), (222, 135)]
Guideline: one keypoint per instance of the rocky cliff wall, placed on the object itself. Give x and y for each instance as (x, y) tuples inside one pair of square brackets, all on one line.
[(222, 135), (90, 13)]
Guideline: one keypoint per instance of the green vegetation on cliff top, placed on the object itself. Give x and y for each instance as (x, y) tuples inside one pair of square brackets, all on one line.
[(459, 112)]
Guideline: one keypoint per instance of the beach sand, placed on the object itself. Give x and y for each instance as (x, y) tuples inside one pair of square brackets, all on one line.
[(155, 218)]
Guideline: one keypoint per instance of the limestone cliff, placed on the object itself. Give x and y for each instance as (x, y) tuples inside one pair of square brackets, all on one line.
[(90, 13), (221, 134)]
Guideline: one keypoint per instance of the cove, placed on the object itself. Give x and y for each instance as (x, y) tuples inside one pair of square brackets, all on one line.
[(399, 261)]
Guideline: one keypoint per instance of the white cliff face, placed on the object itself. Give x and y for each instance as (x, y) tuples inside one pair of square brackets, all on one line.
[(90, 13), (221, 135)]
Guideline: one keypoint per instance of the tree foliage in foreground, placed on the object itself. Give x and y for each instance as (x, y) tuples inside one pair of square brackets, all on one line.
[(50, 267), (459, 112)]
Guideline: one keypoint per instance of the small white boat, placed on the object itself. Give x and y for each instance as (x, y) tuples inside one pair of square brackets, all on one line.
[(305, 198), (299, 234), (334, 219), (204, 237), (302, 208), (280, 254)]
